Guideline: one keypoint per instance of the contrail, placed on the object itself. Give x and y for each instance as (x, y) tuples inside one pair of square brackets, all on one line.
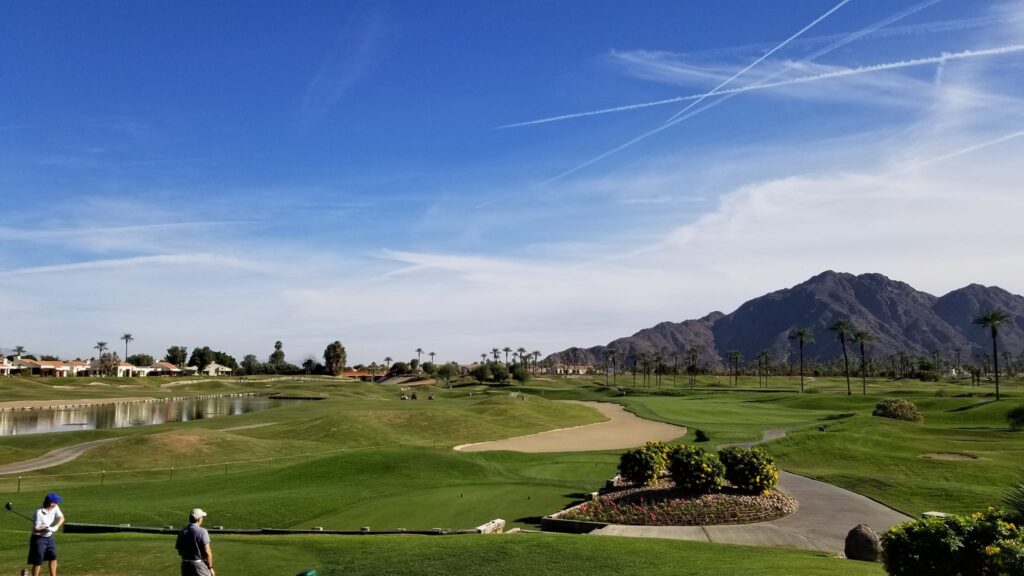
[(843, 41), (960, 152), (762, 58), (1013, 48)]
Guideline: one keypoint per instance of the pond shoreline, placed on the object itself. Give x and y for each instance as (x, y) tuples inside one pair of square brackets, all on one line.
[(82, 402)]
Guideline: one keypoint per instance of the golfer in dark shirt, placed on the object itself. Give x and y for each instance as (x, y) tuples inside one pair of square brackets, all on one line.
[(194, 547)]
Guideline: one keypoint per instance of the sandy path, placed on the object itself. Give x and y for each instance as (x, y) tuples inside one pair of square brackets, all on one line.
[(52, 458), (622, 430), (27, 404)]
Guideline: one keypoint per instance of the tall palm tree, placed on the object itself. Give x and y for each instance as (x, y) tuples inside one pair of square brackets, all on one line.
[(506, 350), (521, 352), (101, 346), (658, 357), (992, 319), (536, 358), (432, 354), (483, 358), (496, 353), (844, 328), (863, 337), (608, 353), (419, 352), (735, 356), (19, 350), (127, 338), (387, 362), (611, 356), (803, 336), (694, 356)]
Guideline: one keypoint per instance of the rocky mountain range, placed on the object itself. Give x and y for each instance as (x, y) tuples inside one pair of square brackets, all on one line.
[(900, 318)]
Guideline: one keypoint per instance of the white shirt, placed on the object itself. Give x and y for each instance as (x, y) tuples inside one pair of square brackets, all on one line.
[(46, 517)]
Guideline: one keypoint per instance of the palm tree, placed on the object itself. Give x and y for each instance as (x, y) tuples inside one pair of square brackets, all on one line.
[(496, 353), (992, 319), (506, 350), (127, 338), (863, 337), (763, 359), (432, 354), (608, 353), (735, 356), (387, 362), (844, 328), (483, 358), (611, 356), (694, 356), (536, 358), (521, 352), (658, 357), (101, 346), (19, 350), (802, 335), (419, 352)]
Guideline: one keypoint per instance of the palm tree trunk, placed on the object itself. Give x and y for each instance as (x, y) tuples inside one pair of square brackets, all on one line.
[(846, 363), (863, 371), (995, 360)]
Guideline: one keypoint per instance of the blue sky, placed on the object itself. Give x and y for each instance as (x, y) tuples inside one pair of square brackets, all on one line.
[(463, 175)]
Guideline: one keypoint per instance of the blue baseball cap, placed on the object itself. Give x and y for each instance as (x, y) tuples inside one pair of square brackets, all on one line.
[(53, 497)]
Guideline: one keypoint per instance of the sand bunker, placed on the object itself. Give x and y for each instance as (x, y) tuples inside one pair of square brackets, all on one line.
[(622, 430), (953, 456)]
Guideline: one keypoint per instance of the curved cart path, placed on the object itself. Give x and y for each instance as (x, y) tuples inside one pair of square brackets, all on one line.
[(622, 430), (52, 458), (821, 523)]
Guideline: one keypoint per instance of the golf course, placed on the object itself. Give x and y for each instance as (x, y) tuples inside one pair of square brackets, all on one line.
[(354, 456)]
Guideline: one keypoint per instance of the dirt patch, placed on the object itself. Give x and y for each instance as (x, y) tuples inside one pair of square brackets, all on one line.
[(622, 430), (951, 456), (178, 443)]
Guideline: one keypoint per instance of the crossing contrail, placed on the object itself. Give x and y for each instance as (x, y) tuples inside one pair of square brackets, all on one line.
[(761, 59), (960, 152), (948, 57)]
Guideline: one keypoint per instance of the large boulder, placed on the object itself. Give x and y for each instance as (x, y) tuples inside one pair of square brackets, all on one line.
[(862, 544)]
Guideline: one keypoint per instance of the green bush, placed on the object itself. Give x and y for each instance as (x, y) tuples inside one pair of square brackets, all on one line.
[(977, 545), (645, 464), (749, 469), (696, 470), (1014, 496), (899, 409), (1015, 417)]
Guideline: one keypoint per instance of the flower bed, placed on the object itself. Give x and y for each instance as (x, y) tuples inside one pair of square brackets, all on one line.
[(666, 506)]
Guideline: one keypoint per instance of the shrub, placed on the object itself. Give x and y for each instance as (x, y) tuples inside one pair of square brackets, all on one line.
[(975, 545), (1014, 496), (898, 409), (749, 469), (645, 464), (1015, 417), (696, 470), (701, 436)]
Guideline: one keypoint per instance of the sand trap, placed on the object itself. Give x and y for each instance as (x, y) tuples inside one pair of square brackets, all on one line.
[(622, 430), (25, 404), (952, 456)]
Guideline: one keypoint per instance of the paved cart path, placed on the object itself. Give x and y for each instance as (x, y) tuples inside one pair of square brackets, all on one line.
[(51, 458)]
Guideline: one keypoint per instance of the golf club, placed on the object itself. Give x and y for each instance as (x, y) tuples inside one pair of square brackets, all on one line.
[(10, 508)]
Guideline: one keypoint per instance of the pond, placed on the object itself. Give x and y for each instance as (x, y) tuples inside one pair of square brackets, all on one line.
[(128, 414)]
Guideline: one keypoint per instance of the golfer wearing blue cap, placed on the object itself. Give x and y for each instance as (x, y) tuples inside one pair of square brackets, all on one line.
[(41, 545)]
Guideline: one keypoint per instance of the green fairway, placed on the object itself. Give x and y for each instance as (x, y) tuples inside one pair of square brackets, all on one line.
[(362, 457), (513, 554)]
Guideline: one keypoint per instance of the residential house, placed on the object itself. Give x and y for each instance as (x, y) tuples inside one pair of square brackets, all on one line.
[(215, 369), (164, 369), (56, 368), (6, 366)]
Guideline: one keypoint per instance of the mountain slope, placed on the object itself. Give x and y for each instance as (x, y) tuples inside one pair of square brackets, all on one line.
[(901, 319)]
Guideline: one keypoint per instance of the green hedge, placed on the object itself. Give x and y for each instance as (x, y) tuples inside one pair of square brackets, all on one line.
[(696, 470), (898, 409), (645, 464), (981, 544), (749, 469)]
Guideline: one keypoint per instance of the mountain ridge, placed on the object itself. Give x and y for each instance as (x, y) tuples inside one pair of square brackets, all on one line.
[(898, 316)]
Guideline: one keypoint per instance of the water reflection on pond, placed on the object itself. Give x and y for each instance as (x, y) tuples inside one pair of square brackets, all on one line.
[(123, 415)]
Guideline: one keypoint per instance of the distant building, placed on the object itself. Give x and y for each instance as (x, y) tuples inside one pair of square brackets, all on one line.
[(56, 368), (214, 369), (164, 369), (6, 366)]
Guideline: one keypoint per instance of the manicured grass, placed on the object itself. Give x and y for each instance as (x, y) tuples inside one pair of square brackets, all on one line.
[(512, 554)]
